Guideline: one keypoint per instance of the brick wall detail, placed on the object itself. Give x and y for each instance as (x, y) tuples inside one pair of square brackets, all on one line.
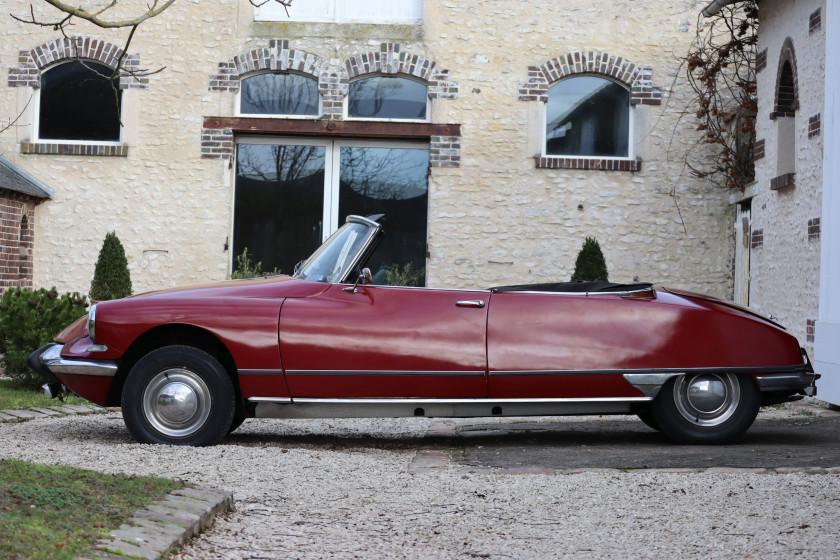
[(17, 237), (333, 86), (216, 143), (33, 62), (810, 329), (814, 229), (638, 80), (757, 241), (334, 81), (783, 181), (815, 21), (814, 126), (610, 164), (758, 150)]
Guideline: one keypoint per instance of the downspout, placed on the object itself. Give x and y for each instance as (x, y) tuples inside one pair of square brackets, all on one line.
[(714, 7)]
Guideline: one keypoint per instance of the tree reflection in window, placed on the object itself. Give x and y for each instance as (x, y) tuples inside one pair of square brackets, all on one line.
[(279, 94), (394, 182), (588, 116), (279, 203), (386, 97), (78, 103)]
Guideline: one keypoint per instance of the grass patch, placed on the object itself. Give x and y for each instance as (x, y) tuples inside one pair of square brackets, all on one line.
[(15, 397), (57, 512)]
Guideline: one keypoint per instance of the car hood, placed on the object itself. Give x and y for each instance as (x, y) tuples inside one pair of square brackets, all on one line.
[(271, 286)]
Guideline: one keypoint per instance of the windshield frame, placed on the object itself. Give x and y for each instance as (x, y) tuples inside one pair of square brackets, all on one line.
[(372, 234)]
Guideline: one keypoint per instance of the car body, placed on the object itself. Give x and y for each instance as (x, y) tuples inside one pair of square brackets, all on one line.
[(189, 365)]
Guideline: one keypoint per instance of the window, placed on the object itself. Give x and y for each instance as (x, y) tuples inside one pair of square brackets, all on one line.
[(291, 194), (386, 97), (78, 104), (279, 94), (588, 116), (344, 11)]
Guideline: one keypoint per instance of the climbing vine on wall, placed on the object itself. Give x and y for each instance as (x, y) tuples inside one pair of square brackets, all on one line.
[(720, 68)]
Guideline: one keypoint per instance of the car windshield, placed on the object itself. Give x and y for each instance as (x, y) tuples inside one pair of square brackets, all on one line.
[(334, 259)]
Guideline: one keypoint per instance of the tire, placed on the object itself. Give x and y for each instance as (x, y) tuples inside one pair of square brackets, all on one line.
[(178, 395), (649, 420), (707, 408)]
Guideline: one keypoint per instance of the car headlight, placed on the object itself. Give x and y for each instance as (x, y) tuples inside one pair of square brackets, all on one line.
[(91, 323)]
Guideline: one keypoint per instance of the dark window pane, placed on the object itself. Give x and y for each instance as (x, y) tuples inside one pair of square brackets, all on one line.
[(394, 182), (78, 103), (279, 203), (387, 98), (279, 94), (588, 116)]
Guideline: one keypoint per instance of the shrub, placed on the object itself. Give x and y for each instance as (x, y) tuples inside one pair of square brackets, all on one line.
[(246, 269), (405, 276), (111, 279), (590, 265), (28, 320)]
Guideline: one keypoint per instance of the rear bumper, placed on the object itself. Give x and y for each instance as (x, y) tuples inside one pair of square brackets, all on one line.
[(800, 383)]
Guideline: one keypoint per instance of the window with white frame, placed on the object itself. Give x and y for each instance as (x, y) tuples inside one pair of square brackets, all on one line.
[(588, 116), (387, 98), (293, 193), (77, 103), (343, 11), (279, 94)]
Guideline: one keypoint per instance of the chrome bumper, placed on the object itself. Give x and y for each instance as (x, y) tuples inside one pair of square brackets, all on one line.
[(802, 383), (48, 361)]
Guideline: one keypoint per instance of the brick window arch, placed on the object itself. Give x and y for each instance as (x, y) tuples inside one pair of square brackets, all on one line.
[(787, 88), (785, 104), (637, 80), (35, 63)]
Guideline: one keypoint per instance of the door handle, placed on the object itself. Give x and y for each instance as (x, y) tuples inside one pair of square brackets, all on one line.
[(470, 303)]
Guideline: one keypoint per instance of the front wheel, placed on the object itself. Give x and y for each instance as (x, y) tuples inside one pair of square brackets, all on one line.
[(178, 395), (706, 408)]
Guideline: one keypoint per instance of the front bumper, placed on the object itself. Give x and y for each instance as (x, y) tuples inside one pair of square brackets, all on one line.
[(800, 382), (48, 361)]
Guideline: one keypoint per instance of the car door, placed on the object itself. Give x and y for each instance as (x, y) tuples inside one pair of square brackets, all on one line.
[(385, 341)]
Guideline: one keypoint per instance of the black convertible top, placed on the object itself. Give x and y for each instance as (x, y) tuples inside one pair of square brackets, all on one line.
[(574, 287)]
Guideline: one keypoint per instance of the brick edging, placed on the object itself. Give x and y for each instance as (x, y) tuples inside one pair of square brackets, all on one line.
[(151, 532), (45, 412)]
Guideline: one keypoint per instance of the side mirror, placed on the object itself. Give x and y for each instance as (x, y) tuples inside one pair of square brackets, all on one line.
[(364, 278), (298, 266)]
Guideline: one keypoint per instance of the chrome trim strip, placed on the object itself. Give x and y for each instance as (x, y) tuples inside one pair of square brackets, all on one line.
[(786, 381), (52, 360), (260, 372), (385, 372), (690, 371), (278, 400), (482, 401)]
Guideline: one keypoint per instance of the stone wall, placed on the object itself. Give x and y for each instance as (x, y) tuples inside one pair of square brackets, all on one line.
[(784, 267), (496, 216), (17, 226)]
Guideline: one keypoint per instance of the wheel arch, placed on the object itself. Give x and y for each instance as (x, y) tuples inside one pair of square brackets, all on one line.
[(169, 335)]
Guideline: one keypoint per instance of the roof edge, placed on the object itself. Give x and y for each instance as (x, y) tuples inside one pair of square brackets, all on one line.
[(30, 185)]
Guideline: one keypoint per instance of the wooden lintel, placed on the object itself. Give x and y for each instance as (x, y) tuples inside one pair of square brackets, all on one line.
[(299, 127)]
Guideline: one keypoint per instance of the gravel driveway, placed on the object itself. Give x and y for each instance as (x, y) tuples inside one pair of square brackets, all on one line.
[(343, 489)]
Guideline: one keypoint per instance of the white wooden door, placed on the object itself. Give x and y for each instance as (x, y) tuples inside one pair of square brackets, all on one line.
[(743, 233)]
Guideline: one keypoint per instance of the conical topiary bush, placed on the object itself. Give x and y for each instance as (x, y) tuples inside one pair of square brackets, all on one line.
[(111, 279), (590, 265)]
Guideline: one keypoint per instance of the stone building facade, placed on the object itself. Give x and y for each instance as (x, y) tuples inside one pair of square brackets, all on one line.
[(499, 207), (784, 205)]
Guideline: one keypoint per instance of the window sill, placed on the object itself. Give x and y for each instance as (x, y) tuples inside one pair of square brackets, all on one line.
[(600, 164), (58, 148), (783, 181)]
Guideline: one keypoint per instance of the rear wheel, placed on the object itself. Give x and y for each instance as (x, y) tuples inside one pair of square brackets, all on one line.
[(706, 408), (649, 420), (178, 395)]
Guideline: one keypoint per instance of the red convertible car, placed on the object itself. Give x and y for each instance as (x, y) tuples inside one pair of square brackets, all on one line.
[(189, 366)]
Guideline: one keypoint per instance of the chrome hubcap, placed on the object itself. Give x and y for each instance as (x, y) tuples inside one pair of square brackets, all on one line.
[(707, 399), (177, 402)]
